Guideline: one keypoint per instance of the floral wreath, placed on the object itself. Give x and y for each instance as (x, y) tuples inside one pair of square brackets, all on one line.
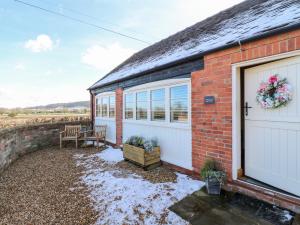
[(274, 93)]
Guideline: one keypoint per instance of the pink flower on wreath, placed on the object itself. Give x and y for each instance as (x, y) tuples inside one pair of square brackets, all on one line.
[(273, 79), (262, 87), (282, 89)]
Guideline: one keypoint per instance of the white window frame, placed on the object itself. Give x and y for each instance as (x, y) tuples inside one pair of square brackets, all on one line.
[(147, 95), (134, 106), (188, 97), (99, 97), (166, 99), (165, 84)]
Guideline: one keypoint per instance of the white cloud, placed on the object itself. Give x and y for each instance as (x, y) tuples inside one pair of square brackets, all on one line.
[(42, 43), (106, 58), (20, 67)]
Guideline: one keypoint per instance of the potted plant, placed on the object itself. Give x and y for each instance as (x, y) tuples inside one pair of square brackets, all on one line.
[(213, 176), (141, 151)]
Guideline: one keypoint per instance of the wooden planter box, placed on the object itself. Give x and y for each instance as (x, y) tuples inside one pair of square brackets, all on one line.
[(140, 156)]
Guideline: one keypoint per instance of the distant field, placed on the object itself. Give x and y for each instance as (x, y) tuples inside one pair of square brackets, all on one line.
[(19, 120)]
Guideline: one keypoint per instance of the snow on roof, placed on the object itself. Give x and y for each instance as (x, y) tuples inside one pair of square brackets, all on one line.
[(247, 19)]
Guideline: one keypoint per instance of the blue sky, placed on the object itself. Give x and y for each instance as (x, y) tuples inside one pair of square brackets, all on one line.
[(46, 59)]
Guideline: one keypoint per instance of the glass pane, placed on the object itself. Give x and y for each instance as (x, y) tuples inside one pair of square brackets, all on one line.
[(112, 106), (158, 106), (129, 104), (98, 110), (141, 96), (104, 106), (179, 92), (97, 107), (158, 115), (129, 98), (128, 114), (141, 110), (179, 116), (141, 105), (179, 104), (158, 95)]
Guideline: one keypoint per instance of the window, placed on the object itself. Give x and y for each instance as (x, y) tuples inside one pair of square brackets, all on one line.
[(98, 107), (129, 105), (179, 103), (112, 107), (158, 104), (104, 107), (141, 105)]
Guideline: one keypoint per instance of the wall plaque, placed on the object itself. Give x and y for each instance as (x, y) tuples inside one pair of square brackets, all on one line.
[(209, 100)]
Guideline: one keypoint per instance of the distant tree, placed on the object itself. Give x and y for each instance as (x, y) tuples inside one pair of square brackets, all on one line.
[(12, 114)]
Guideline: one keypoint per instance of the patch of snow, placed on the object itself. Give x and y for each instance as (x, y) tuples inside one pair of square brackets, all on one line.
[(111, 155), (287, 216), (130, 199), (242, 26), (93, 143)]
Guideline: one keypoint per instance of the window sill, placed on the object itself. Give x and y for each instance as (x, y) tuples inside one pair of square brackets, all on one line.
[(185, 126), (105, 118)]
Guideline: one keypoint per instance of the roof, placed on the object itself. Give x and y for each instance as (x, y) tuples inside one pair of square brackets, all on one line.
[(246, 20)]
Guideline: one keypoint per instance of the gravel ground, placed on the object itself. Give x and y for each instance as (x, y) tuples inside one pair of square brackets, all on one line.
[(44, 187), (38, 189)]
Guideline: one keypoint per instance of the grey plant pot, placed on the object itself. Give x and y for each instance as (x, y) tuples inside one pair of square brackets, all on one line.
[(213, 186)]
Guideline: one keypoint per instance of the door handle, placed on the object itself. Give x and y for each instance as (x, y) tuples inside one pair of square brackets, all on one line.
[(246, 107)]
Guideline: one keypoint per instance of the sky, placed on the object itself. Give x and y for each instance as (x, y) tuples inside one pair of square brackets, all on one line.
[(46, 58)]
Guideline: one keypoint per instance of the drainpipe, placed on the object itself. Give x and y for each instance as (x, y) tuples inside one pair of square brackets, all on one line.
[(92, 110)]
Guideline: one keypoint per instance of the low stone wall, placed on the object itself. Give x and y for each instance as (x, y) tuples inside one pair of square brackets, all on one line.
[(15, 142)]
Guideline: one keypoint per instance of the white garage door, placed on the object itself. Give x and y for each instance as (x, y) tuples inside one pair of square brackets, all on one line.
[(272, 136)]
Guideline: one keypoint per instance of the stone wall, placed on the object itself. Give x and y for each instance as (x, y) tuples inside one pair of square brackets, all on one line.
[(15, 142)]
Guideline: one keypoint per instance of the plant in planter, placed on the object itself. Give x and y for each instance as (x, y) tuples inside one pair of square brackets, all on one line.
[(214, 177), (141, 151)]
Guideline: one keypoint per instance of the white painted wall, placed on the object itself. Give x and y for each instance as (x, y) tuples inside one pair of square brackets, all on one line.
[(175, 139), (175, 142), (111, 128)]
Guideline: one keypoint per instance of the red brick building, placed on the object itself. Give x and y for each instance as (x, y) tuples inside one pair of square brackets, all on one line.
[(195, 91)]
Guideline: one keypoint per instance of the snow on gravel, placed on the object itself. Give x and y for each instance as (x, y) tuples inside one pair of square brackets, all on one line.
[(111, 155), (126, 198)]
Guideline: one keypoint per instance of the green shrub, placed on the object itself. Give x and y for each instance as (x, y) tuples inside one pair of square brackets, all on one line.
[(211, 170), (12, 114), (141, 142)]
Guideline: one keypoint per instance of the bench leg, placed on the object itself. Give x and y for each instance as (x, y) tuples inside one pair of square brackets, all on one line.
[(60, 143), (76, 143)]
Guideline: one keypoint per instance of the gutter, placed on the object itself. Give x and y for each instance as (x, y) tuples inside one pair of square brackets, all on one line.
[(202, 54)]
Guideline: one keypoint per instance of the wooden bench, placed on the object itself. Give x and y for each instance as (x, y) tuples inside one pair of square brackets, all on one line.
[(71, 133), (98, 134)]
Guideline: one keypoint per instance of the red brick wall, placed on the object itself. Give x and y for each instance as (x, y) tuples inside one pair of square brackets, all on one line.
[(119, 115), (212, 124)]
